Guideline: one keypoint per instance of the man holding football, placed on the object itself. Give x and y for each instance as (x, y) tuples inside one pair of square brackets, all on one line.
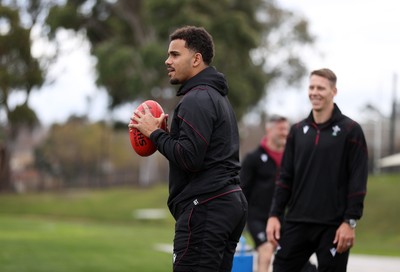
[(202, 148)]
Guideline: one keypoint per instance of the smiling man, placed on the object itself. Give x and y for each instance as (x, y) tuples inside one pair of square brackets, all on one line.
[(202, 148), (322, 184)]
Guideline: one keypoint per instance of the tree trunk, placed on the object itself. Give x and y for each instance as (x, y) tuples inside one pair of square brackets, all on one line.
[(5, 181)]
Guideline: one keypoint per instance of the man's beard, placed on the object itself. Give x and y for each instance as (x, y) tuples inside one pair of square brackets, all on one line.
[(174, 81)]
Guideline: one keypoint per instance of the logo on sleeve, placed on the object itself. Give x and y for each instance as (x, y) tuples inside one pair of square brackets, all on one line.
[(336, 129), (261, 236), (264, 157)]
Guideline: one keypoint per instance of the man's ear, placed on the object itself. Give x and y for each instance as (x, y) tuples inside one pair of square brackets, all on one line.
[(197, 59)]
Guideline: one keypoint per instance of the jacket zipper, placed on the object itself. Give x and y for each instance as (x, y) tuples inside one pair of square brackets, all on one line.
[(318, 132), (317, 137)]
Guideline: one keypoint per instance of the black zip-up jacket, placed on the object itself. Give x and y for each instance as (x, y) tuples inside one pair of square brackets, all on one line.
[(203, 144), (324, 172), (258, 176)]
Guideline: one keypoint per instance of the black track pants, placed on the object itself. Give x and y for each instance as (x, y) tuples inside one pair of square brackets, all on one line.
[(300, 240), (207, 232)]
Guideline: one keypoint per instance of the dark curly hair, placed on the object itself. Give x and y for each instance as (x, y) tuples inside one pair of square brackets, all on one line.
[(197, 39)]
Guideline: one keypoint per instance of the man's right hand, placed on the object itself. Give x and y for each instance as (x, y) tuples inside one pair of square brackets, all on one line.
[(273, 230)]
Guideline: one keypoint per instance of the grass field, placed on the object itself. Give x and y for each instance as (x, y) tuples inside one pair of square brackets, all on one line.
[(95, 230)]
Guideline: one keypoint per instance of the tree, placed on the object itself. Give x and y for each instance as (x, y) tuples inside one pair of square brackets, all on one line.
[(79, 153), (19, 72), (257, 43), (73, 151)]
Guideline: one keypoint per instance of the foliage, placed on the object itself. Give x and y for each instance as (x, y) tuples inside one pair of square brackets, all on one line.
[(20, 72), (22, 115), (257, 43), (81, 153), (74, 150)]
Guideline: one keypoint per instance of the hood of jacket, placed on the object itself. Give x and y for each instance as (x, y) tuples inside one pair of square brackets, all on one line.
[(210, 77)]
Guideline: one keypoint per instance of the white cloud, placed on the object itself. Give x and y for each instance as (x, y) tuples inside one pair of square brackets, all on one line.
[(73, 91)]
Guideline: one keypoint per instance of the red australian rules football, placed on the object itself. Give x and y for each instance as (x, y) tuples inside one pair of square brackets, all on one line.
[(142, 145)]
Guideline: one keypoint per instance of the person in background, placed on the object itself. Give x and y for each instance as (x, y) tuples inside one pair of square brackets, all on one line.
[(258, 175), (322, 184), (202, 148), (260, 170)]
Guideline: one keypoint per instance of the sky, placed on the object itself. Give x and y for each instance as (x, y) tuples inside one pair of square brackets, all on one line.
[(358, 39)]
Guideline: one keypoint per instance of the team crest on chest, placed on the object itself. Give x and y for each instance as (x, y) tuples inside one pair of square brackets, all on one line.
[(305, 129), (336, 129)]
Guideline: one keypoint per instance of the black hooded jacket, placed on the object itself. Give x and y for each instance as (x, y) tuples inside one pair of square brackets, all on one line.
[(258, 176), (203, 144), (324, 172)]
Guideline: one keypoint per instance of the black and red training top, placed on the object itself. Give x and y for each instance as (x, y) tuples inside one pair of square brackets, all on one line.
[(324, 172)]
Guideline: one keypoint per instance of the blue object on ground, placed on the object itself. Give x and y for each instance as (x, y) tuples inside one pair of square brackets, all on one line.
[(243, 260)]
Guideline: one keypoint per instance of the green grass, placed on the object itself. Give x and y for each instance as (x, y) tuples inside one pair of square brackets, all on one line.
[(378, 231), (112, 205), (84, 231), (42, 244), (95, 230)]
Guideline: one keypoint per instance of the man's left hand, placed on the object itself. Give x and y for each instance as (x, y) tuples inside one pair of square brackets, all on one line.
[(344, 238)]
